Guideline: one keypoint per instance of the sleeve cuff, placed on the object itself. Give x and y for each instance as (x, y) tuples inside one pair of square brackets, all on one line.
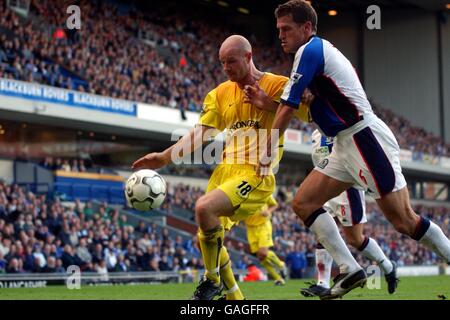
[(289, 104)]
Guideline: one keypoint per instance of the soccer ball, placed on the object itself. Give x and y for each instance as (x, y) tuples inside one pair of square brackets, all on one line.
[(145, 190)]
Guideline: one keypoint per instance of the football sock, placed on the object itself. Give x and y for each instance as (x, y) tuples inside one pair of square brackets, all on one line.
[(326, 231), (324, 262), (267, 264), (274, 260), (233, 292), (210, 245), (429, 234), (371, 250)]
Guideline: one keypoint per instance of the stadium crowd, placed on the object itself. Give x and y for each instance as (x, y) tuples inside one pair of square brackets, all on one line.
[(41, 236), (69, 165), (38, 235), (169, 60)]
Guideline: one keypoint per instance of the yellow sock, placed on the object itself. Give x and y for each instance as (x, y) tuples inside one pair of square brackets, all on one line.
[(211, 243), (226, 274), (274, 260), (270, 269)]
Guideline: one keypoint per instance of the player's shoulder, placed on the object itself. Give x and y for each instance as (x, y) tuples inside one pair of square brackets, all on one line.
[(315, 45), (225, 85), (271, 80), (275, 77), (224, 88)]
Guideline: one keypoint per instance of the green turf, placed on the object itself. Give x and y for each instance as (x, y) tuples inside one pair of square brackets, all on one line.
[(410, 288)]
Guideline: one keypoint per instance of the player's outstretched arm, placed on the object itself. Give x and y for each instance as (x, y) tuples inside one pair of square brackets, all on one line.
[(186, 145)]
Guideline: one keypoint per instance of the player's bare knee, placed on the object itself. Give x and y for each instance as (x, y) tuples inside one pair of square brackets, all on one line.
[(201, 209), (301, 208)]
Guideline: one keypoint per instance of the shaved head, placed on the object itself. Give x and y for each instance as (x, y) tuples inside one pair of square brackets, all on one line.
[(235, 55), (236, 42)]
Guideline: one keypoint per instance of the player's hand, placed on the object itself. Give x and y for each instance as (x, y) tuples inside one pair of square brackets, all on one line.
[(307, 97), (153, 160), (265, 213), (256, 96)]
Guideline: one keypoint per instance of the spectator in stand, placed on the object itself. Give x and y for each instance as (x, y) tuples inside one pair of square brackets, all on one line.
[(296, 261), (154, 265), (59, 266), (83, 252), (81, 166), (68, 258), (14, 266), (74, 167), (164, 264), (48, 163), (3, 263), (58, 164), (122, 265), (66, 166), (51, 265), (102, 270)]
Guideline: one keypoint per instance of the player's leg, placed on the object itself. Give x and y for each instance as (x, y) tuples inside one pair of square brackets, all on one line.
[(211, 236), (350, 210), (369, 248), (279, 264), (377, 156), (324, 262), (397, 209), (254, 237), (260, 240), (263, 257), (233, 292), (315, 190)]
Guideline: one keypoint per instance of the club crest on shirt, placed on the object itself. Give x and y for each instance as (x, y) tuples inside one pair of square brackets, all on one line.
[(203, 110), (295, 77), (322, 164)]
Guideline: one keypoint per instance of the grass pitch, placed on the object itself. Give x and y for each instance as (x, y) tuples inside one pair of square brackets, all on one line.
[(410, 288)]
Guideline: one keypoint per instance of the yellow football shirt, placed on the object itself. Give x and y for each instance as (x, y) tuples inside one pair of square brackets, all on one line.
[(247, 125)]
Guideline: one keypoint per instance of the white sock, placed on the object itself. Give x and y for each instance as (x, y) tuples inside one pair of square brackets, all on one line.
[(327, 234), (324, 262), (436, 240), (374, 253)]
